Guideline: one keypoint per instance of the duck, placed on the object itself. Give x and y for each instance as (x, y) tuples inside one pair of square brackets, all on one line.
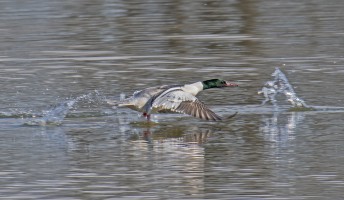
[(175, 99)]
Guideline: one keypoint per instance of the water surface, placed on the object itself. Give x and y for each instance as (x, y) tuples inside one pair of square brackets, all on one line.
[(60, 60)]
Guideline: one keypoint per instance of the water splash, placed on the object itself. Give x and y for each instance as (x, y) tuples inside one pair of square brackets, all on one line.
[(281, 85), (57, 113), (121, 97)]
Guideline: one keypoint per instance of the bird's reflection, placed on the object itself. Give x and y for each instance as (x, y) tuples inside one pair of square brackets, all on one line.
[(177, 131), (177, 135)]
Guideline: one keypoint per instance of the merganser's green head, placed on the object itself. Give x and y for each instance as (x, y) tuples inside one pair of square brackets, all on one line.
[(217, 83)]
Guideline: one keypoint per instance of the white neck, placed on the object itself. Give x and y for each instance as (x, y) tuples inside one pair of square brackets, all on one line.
[(193, 88)]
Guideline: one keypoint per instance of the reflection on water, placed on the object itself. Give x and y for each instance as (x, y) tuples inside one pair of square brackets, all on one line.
[(56, 52), (281, 129), (126, 157), (179, 136)]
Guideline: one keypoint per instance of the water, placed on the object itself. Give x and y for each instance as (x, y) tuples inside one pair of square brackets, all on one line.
[(60, 61), (56, 114), (280, 84)]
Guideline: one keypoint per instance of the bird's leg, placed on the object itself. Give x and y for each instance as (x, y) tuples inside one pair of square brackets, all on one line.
[(146, 115)]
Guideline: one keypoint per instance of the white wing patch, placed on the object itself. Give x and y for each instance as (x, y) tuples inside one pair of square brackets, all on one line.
[(177, 100), (170, 100)]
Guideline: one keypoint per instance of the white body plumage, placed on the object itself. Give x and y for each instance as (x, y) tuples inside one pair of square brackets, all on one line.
[(174, 98)]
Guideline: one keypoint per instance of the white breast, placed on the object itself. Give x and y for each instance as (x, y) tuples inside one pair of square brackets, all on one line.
[(193, 88)]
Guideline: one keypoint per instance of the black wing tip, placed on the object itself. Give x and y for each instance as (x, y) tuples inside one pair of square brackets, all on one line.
[(210, 116), (201, 111), (231, 116), (215, 117)]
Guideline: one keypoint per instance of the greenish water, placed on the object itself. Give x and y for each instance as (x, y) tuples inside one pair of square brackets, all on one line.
[(61, 60)]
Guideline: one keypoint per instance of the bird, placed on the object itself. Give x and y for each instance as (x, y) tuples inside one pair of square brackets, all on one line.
[(175, 99)]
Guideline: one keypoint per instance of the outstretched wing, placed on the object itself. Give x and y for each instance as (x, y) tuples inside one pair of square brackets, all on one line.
[(177, 100)]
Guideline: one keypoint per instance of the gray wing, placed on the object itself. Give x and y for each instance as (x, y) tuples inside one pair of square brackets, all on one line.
[(177, 100), (153, 91), (140, 99)]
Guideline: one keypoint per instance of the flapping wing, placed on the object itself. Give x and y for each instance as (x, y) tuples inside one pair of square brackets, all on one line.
[(177, 100)]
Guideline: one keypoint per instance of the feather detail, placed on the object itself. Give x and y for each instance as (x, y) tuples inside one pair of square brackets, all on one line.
[(177, 100), (197, 109), (173, 98)]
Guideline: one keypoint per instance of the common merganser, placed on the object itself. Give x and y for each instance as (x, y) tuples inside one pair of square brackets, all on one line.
[(173, 98)]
